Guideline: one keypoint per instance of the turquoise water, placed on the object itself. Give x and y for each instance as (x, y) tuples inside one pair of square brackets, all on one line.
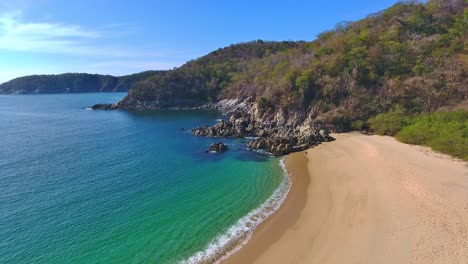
[(80, 186)]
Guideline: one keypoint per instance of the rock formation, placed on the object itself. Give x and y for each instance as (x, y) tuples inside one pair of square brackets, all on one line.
[(277, 132), (217, 147), (273, 132)]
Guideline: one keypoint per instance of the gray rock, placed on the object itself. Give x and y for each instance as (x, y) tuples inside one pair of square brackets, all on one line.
[(103, 107), (276, 133), (217, 147), (324, 133)]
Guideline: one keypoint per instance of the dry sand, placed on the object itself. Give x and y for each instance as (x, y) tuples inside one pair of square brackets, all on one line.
[(367, 199)]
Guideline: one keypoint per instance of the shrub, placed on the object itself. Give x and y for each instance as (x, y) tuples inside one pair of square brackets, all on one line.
[(359, 125), (446, 132), (388, 123)]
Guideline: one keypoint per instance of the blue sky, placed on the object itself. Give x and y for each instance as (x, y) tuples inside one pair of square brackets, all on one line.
[(121, 37)]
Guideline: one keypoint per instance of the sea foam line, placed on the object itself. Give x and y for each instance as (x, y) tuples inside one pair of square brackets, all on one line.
[(240, 233)]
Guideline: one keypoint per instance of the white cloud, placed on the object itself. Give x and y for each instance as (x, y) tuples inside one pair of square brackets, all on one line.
[(82, 49), (15, 28), (56, 38), (40, 37)]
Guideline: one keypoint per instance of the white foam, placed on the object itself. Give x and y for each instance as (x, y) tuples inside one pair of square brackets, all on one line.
[(239, 234), (88, 108), (263, 152)]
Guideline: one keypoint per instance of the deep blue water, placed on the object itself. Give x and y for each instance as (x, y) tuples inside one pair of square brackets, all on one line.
[(80, 186)]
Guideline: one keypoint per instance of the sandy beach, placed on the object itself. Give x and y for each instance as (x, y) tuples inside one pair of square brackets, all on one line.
[(367, 199)]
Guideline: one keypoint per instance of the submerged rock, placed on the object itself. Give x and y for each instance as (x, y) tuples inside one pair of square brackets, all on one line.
[(217, 147)]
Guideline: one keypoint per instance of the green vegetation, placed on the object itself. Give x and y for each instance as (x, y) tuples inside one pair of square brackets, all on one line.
[(387, 72), (73, 83), (389, 123), (446, 132), (413, 55), (203, 79)]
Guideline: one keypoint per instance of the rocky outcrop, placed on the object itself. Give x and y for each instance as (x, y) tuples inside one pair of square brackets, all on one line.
[(103, 107), (281, 145), (275, 132), (217, 147), (132, 104), (226, 106), (239, 125)]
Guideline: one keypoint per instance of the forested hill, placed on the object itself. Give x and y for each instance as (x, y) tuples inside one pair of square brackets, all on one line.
[(73, 83), (204, 78), (412, 54)]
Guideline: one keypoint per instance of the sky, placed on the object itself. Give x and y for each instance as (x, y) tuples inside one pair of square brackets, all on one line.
[(122, 37)]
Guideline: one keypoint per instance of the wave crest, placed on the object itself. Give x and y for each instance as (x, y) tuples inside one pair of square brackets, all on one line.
[(239, 234)]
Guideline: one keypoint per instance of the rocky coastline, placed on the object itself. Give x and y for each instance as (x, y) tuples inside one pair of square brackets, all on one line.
[(131, 104), (270, 132), (275, 132)]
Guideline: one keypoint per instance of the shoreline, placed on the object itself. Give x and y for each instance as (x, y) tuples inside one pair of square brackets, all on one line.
[(366, 199), (272, 228), (231, 241), (286, 183)]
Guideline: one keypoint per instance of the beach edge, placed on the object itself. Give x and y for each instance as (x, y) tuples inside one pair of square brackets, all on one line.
[(359, 199), (273, 227)]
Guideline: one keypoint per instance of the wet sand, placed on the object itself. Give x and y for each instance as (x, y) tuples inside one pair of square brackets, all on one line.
[(367, 199)]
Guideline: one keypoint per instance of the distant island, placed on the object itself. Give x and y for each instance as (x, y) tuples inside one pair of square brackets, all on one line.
[(73, 83)]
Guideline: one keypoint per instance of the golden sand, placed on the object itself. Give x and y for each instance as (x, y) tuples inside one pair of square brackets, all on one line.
[(367, 199)]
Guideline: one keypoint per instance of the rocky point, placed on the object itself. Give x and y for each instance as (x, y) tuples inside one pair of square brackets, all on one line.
[(271, 131)]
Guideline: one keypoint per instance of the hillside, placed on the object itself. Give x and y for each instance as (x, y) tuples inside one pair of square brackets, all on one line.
[(411, 58), (203, 79), (72, 83), (413, 55)]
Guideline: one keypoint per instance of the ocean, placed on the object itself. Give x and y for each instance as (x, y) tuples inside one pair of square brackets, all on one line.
[(83, 186)]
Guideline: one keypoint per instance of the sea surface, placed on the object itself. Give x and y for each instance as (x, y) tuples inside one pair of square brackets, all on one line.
[(83, 186)]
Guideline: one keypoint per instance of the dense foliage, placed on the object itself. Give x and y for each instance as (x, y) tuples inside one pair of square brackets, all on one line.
[(446, 132), (388, 123), (413, 55), (73, 83), (203, 79)]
